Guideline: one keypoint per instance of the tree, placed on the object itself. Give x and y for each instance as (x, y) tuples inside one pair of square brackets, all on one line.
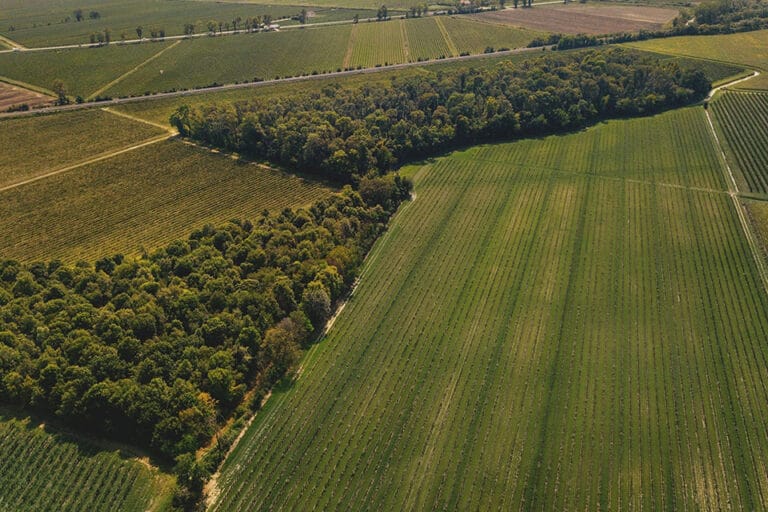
[(78, 14), (139, 32), (316, 303), (515, 3), (355, 18), (303, 16), (189, 29), (61, 92), (107, 36), (381, 14), (94, 15), (212, 28)]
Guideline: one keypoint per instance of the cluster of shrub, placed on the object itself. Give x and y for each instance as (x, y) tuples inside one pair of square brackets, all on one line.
[(344, 132), (159, 350)]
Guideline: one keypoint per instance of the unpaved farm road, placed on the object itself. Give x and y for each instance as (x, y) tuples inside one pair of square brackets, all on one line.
[(192, 92)]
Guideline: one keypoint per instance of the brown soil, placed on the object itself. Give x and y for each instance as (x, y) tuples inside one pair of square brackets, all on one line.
[(14, 96), (592, 19)]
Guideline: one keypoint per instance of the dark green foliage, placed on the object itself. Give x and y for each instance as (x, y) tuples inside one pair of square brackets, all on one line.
[(158, 351), (348, 133)]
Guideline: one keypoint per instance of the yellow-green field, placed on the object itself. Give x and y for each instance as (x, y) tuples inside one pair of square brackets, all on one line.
[(748, 49), (141, 199)]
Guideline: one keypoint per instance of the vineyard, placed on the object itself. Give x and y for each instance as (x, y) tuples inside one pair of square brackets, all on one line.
[(742, 118), (377, 44), (539, 329), (35, 146), (40, 470), (244, 57), (474, 37), (137, 200), (81, 71), (748, 49), (425, 40)]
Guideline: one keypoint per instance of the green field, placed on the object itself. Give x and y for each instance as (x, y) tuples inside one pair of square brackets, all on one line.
[(747, 49), (83, 71), (572, 328), (136, 200), (742, 119), (38, 23), (244, 57), (43, 470), (36, 146), (130, 70), (473, 37), (377, 44)]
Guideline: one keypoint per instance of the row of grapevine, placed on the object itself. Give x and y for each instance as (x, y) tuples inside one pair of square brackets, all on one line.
[(540, 329), (742, 119), (377, 44), (44, 471), (425, 41)]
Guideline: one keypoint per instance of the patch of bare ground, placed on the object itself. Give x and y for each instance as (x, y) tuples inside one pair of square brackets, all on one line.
[(13, 96), (583, 18)]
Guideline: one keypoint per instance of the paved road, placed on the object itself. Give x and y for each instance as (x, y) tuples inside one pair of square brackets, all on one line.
[(335, 74)]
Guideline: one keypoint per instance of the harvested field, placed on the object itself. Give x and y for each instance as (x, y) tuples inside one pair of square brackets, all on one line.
[(12, 96), (583, 19)]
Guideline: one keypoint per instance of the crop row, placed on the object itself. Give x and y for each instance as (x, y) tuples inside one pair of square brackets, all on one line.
[(42, 471), (536, 337), (742, 118)]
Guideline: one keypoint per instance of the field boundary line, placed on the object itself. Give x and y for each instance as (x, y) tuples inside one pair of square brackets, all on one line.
[(12, 43), (103, 156), (720, 87), (406, 43), (448, 40), (133, 70), (25, 85), (140, 120), (757, 253), (350, 47)]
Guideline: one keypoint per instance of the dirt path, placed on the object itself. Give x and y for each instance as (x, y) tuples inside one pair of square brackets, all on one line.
[(12, 43), (103, 156), (165, 128), (728, 84), (350, 47), (406, 45), (448, 40), (132, 71), (733, 192)]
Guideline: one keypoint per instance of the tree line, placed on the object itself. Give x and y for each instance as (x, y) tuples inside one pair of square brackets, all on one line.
[(344, 133), (159, 350)]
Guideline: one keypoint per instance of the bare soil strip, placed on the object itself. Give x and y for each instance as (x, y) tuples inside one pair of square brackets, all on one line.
[(350, 47), (448, 41), (406, 46), (14, 95)]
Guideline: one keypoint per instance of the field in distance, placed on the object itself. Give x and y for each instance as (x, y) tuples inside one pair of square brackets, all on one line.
[(44, 470), (747, 49), (156, 67), (41, 23), (576, 18), (141, 199), (574, 322)]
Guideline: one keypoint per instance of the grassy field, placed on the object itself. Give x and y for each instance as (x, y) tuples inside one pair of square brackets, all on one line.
[(742, 119), (140, 199), (566, 333), (83, 71), (43, 470), (39, 23), (39, 145), (747, 49), (243, 57)]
